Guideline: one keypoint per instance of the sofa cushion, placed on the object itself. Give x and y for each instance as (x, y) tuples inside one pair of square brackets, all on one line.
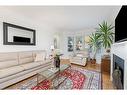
[(8, 60), (10, 71), (77, 57), (30, 65), (26, 73), (25, 57), (25, 54), (8, 63), (46, 61), (8, 56), (25, 60)]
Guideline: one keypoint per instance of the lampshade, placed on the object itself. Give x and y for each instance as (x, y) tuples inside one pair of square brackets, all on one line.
[(52, 47), (87, 39)]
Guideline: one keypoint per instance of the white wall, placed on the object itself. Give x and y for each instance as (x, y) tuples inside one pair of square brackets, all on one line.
[(113, 14), (44, 32)]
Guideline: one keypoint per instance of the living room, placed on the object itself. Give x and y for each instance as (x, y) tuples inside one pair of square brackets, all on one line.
[(36, 39)]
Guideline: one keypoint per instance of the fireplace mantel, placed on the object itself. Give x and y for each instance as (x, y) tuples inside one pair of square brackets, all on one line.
[(120, 49)]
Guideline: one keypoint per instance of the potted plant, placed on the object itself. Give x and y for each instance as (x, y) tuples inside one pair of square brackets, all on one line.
[(57, 55), (57, 61), (95, 44), (106, 35)]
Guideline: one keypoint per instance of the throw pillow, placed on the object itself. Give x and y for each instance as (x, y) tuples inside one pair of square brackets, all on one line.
[(39, 57), (79, 55)]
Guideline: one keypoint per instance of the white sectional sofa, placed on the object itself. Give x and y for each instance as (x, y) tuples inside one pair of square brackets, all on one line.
[(16, 66)]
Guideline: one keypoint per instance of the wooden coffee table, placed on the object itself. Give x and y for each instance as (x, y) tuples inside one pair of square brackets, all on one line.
[(51, 74)]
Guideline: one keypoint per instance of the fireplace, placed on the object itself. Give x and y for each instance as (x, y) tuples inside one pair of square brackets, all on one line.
[(118, 72)]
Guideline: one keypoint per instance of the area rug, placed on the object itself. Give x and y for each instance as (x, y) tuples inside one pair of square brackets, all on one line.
[(75, 78)]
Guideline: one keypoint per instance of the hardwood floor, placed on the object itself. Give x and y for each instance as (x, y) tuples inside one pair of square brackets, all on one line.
[(106, 83)]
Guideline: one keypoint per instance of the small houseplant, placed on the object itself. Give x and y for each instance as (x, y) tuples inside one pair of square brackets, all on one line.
[(95, 44), (57, 55), (57, 61)]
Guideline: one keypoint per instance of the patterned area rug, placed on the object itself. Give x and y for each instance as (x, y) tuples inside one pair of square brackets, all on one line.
[(74, 78)]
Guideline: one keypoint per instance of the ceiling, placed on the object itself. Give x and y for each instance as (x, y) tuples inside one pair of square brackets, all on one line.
[(66, 17)]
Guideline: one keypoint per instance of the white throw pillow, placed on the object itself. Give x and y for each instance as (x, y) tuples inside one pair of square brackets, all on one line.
[(79, 55), (39, 57)]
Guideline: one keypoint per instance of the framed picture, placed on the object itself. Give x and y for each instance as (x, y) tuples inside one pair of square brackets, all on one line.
[(18, 35), (70, 44), (79, 43)]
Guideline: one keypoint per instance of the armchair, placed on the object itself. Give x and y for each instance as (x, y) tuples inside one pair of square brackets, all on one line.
[(79, 58)]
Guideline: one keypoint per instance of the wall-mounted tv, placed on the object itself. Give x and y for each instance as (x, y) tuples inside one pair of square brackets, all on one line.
[(121, 25)]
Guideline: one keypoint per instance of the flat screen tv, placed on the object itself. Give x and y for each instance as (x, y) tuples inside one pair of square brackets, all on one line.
[(121, 25)]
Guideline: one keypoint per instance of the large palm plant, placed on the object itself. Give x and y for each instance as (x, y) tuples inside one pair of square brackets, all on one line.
[(105, 34), (95, 43)]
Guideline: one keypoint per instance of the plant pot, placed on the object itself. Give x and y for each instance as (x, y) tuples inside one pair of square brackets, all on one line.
[(107, 53)]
